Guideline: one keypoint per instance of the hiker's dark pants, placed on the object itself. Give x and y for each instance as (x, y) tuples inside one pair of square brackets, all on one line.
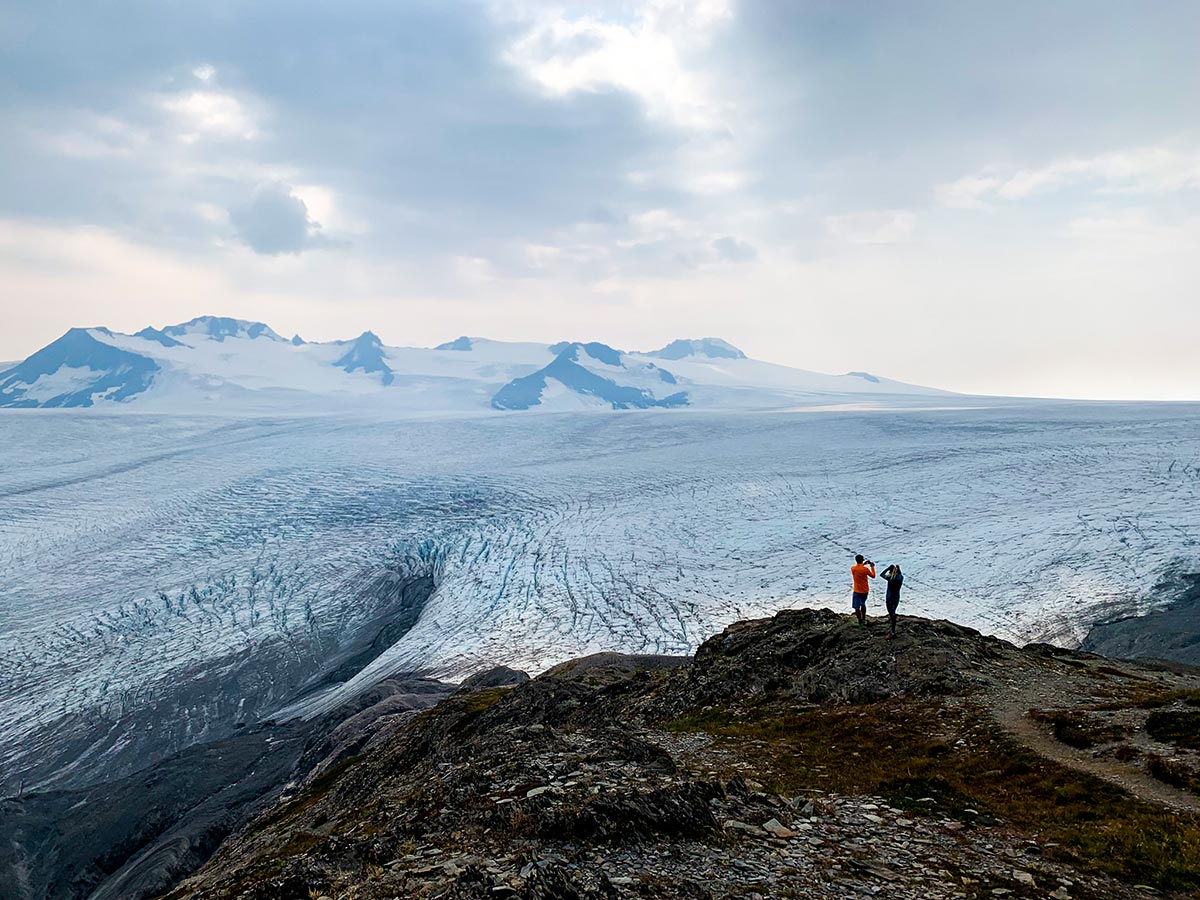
[(891, 611)]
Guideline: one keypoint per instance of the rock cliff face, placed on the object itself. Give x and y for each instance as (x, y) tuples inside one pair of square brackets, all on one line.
[(799, 756)]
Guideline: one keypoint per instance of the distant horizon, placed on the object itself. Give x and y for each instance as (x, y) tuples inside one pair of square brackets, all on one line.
[(1005, 199), (5, 363)]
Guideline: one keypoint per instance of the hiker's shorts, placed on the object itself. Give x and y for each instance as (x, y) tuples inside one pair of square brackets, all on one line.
[(859, 601)]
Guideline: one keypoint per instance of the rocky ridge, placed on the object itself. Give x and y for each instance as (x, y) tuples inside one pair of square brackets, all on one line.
[(798, 756)]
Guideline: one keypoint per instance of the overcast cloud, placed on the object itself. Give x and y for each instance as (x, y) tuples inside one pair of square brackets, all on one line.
[(986, 197)]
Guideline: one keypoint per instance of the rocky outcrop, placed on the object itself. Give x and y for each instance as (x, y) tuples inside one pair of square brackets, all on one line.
[(810, 655), (797, 756), (497, 676)]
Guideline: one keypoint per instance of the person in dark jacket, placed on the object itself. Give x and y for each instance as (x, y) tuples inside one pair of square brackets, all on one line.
[(895, 580)]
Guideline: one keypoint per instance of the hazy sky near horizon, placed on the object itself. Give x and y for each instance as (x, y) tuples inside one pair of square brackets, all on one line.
[(1000, 198)]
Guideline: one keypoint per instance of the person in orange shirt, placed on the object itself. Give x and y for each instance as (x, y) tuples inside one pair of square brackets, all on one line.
[(861, 573)]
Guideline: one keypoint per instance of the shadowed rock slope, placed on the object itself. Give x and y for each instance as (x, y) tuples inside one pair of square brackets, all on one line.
[(797, 756), (137, 835), (1169, 633)]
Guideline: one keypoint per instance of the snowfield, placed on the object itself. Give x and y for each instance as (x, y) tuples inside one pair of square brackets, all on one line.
[(163, 579)]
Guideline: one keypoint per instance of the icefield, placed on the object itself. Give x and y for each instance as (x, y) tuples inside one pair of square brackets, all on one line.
[(166, 579)]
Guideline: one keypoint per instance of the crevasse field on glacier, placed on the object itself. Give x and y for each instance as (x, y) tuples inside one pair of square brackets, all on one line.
[(192, 574)]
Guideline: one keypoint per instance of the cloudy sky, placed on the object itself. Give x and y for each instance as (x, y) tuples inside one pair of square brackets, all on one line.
[(994, 197)]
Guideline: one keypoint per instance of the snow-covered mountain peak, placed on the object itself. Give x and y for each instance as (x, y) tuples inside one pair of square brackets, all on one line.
[(366, 339), (579, 350), (591, 375), (220, 327), (713, 348), (366, 354), (463, 343), (473, 343), (78, 369)]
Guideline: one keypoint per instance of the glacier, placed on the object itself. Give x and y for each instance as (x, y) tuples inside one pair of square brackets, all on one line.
[(166, 579)]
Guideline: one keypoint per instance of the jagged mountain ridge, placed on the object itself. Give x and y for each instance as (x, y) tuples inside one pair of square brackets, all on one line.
[(222, 364)]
